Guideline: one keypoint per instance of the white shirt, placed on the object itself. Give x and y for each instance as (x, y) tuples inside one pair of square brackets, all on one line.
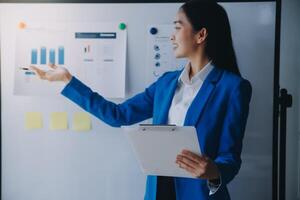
[(184, 95)]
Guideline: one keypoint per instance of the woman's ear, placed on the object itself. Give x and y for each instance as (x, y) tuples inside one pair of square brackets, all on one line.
[(201, 35)]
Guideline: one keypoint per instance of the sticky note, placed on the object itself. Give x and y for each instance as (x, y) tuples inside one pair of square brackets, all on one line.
[(58, 121), (81, 122), (33, 120)]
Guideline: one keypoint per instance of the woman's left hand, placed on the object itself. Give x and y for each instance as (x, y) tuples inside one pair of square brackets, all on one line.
[(198, 166)]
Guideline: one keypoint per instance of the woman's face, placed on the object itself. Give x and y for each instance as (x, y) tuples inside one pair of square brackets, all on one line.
[(183, 38)]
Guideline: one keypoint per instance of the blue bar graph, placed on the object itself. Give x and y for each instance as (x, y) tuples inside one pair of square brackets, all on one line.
[(33, 56), (61, 55), (43, 56), (52, 56)]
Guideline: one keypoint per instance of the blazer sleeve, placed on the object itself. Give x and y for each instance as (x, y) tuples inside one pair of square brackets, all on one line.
[(229, 153), (133, 110)]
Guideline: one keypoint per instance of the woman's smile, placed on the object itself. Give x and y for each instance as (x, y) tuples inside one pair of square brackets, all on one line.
[(175, 46)]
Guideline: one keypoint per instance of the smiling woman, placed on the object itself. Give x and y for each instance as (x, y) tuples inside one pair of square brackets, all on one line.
[(207, 22), (209, 93)]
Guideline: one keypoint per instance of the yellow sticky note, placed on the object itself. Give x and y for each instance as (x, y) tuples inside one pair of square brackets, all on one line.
[(81, 121), (58, 121), (33, 120)]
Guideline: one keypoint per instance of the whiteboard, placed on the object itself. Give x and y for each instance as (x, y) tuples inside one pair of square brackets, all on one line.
[(99, 164)]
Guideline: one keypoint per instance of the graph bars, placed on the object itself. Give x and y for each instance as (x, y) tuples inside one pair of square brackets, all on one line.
[(61, 55), (33, 56), (43, 56), (51, 57)]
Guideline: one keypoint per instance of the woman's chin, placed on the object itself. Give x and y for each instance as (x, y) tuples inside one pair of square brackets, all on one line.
[(179, 55)]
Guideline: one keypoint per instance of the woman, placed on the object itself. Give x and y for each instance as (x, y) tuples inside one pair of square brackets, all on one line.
[(209, 93)]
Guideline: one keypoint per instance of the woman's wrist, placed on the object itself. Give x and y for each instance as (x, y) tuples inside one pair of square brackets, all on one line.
[(67, 78)]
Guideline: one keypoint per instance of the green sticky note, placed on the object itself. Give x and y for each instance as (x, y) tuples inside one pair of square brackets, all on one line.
[(33, 120), (81, 121), (58, 121)]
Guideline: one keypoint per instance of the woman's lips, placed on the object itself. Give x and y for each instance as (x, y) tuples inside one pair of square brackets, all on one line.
[(175, 46)]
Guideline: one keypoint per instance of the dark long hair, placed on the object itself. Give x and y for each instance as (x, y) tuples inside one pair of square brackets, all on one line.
[(210, 15)]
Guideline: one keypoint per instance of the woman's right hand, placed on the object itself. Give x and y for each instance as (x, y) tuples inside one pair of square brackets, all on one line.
[(56, 73)]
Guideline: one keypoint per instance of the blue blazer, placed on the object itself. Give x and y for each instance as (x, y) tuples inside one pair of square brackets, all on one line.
[(219, 113)]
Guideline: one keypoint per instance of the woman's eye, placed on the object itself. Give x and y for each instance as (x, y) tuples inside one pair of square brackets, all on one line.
[(177, 28)]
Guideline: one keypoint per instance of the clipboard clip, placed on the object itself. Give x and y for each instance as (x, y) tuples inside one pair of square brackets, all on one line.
[(155, 127)]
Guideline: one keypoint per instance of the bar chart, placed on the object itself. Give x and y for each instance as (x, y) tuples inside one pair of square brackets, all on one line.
[(52, 58)]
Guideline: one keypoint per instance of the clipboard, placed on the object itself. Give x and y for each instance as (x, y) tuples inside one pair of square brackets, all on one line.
[(156, 147)]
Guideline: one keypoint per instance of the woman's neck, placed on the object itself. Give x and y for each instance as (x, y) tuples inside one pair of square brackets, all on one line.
[(197, 63)]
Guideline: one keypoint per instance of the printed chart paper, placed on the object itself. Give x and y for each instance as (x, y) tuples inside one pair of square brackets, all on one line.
[(93, 52), (160, 55)]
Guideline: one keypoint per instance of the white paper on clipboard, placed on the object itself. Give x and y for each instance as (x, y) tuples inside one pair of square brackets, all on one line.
[(156, 147)]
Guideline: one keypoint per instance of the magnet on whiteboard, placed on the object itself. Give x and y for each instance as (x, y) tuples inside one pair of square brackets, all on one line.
[(157, 56), (153, 30), (156, 74), (22, 25), (122, 26)]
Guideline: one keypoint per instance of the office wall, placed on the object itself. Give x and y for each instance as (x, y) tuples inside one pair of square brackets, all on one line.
[(100, 164)]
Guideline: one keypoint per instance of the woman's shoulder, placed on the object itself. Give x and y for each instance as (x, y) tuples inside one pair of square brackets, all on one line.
[(231, 83), (232, 80), (169, 76)]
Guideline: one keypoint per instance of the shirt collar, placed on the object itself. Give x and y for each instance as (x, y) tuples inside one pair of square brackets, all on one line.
[(201, 75)]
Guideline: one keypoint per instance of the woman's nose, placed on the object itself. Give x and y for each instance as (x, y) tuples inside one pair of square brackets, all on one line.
[(172, 37)]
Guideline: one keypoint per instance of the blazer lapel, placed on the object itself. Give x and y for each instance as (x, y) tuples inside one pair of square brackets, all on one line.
[(166, 103), (199, 102)]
